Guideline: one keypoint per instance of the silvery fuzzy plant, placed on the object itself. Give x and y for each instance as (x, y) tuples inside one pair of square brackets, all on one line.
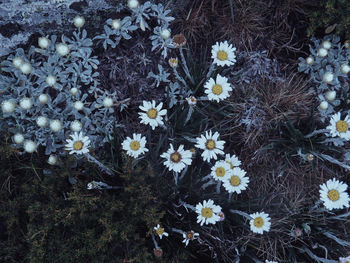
[(328, 68), (49, 84), (56, 86), (140, 16)]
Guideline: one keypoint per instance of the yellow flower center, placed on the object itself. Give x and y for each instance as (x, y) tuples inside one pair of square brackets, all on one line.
[(235, 180), (152, 113), (220, 172), (160, 231), (207, 212), (342, 126), (189, 235), (175, 157), (258, 222), (333, 195), (217, 89), (78, 145), (134, 145), (173, 62), (210, 144), (231, 165), (222, 55)]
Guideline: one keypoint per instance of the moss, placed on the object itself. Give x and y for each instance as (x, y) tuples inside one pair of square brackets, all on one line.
[(46, 219), (328, 14)]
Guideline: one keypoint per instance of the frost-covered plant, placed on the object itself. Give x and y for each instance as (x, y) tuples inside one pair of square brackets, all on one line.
[(328, 68), (60, 87)]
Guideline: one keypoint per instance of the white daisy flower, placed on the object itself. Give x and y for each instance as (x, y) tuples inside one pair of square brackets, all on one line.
[(18, 138), (173, 62), (55, 125), (43, 42), (189, 236), (79, 21), (208, 212), (344, 260), (52, 159), (153, 114), (107, 102), (26, 103), (25, 68), (223, 54), (237, 182), (221, 171), (50, 80), (165, 33), (78, 144), (324, 105), (116, 24), (339, 127), (76, 126), (331, 95), (17, 62), (135, 146), (211, 145), (132, 4), (260, 222), (191, 100), (43, 98), (62, 49), (42, 121), (160, 231), (176, 160), (219, 89), (345, 68), (29, 146), (78, 105), (233, 160), (7, 106), (333, 194)]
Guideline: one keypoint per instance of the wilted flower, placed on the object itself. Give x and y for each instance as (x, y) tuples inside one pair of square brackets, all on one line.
[(179, 40)]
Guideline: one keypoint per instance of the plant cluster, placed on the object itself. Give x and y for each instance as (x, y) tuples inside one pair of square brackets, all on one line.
[(153, 150)]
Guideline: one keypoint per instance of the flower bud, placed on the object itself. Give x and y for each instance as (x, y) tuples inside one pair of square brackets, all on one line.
[(330, 95), (324, 105), (43, 42), (79, 21)]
